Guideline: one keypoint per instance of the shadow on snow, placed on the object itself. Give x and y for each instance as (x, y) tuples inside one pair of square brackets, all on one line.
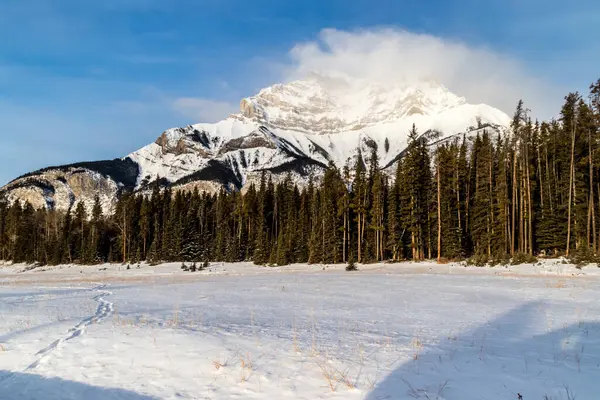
[(22, 386), (502, 358)]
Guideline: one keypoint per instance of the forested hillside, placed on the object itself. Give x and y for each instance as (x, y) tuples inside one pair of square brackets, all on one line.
[(491, 198)]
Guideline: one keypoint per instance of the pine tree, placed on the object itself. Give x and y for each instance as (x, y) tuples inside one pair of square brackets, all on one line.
[(3, 235), (343, 207), (417, 177), (301, 253), (190, 248), (315, 247), (359, 204), (332, 189), (482, 218), (261, 248), (79, 235), (393, 222), (144, 225), (377, 205), (25, 236), (500, 240)]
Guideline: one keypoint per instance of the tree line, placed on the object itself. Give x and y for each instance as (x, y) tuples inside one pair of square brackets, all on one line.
[(489, 197)]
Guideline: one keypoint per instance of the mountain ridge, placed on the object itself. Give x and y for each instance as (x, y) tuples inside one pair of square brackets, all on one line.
[(294, 129)]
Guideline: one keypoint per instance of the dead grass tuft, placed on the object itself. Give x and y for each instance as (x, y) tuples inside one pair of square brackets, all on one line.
[(246, 367), (334, 377), (560, 284), (218, 365), (417, 345), (328, 375)]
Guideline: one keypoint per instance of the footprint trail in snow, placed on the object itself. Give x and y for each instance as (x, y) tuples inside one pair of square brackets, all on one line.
[(104, 310)]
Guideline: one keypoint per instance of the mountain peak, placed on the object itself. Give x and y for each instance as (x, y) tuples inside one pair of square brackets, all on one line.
[(324, 105)]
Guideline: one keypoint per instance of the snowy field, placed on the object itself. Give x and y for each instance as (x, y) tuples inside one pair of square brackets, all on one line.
[(237, 331)]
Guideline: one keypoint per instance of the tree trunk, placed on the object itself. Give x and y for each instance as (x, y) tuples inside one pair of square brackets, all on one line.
[(490, 205), (522, 240), (541, 183), (429, 244), (323, 251), (529, 211), (591, 205), (358, 244), (124, 239), (514, 205), (439, 215), (81, 251), (571, 178), (598, 237), (381, 235), (349, 241)]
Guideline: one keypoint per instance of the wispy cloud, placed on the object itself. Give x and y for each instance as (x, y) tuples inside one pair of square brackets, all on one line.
[(390, 56)]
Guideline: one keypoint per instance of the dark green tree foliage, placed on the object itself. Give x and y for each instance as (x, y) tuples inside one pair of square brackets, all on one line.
[(333, 189), (315, 246), (78, 243), (534, 190), (359, 204), (191, 250), (300, 251), (95, 229), (26, 235), (482, 212), (500, 244), (377, 208), (394, 226), (417, 181), (451, 232), (261, 245)]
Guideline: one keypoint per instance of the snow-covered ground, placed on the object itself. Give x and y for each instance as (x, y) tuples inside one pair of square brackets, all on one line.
[(238, 331)]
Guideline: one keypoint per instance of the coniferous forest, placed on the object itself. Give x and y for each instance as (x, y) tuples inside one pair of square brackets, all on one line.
[(533, 191)]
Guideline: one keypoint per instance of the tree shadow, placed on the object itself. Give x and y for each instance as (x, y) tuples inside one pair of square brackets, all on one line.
[(22, 386), (502, 359)]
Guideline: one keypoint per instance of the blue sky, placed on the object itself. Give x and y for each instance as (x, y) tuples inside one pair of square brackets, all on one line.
[(85, 80)]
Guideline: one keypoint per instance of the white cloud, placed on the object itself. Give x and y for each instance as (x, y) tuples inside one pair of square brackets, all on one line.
[(203, 110), (389, 56)]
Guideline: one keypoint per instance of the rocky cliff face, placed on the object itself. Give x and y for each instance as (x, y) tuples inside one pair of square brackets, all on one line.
[(294, 130), (62, 187), (327, 106)]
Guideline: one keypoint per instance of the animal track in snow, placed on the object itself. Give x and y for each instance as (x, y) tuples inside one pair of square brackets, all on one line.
[(104, 310)]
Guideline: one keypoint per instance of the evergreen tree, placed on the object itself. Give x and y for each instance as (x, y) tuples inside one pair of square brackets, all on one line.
[(482, 218), (261, 247), (377, 206), (315, 247), (190, 248), (360, 204), (417, 177), (393, 222)]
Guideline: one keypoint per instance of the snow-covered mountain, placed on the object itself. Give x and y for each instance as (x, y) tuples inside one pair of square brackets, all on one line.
[(296, 128)]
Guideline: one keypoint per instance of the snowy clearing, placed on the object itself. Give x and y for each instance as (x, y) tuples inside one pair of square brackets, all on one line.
[(237, 331)]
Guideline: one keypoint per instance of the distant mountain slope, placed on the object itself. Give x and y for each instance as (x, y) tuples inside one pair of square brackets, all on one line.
[(296, 128)]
